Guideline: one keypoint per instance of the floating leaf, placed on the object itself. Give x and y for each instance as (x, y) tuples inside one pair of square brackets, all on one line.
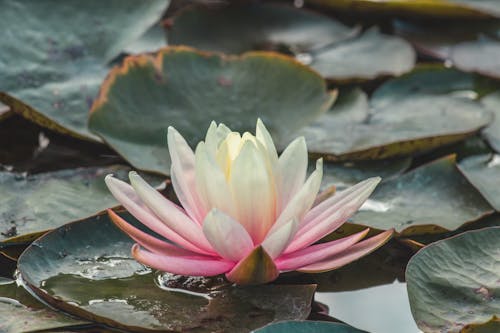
[(483, 171), (188, 89), (152, 40), (492, 132), (21, 312), (432, 8), (85, 268), (331, 48), (32, 204), (433, 198), (455, 282), (53, 63), (426, 109), (307, 326)]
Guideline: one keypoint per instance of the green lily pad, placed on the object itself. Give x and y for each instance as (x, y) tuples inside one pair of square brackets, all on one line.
[(492, 132), (331, 48), (21, 312), (455, 282), (426, 109), (33, 204), (85, 268), (152, 40), (307, 326), (53, 63), (483, 171), (431, 8), (188, 89), (433, 198)]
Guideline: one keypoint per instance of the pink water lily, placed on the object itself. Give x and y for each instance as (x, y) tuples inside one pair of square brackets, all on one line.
[(246, 212)]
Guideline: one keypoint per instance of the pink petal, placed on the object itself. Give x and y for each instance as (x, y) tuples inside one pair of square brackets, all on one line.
[(183, 175), (325, 194), (227, 236), (331, 214), (192, 265), (126, 195), (318, 252), (149, 242), (347, 256), (169, 213), (303, 200), (275, 243), (292, 166)]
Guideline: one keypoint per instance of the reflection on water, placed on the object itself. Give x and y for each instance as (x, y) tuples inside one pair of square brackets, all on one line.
[(380, 309)]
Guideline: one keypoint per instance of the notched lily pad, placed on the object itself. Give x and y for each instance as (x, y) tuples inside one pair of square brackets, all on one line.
[(52, 64), (418, 112), (433, 198), (85, 268), (33, 204), (455, 282), (336, 51), (187, 89), (483, 171)]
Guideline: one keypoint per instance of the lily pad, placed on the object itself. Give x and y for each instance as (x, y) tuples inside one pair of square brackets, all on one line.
[(187, 89), (455, 282), (21, 312), (85, 268), (426, 109), (433, 198), (33, 204), (492, 132), (336, 51), (52, 64), (152, 40), (432, 8), (483, 171), (307, 326)]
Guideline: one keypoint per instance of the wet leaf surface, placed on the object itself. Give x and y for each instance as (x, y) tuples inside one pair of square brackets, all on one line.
[(28, 202), (85, 268), (187, 89), (433, 198), (395, 121), (53, 63), (455, 282), (336, 51), (483, 171)]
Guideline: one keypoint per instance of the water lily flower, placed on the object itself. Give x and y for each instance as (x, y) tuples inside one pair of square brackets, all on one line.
[(246, 212)]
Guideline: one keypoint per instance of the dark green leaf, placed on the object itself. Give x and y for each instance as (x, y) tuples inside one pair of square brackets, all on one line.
[(307, 326)]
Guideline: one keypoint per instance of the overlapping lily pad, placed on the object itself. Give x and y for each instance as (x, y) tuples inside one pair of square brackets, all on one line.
[(308, 326), (492, 132), (483, 171), (433, 198), (432, 8), (336, 51), (396, 120), (455, 282), (53, 63), (31, 204), (188, 89), (473, 47), (86, 269)]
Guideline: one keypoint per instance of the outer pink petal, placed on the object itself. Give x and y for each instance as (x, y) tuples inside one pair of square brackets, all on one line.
[(149, 242), (126, 195), (354, 252), (182, 172), (169, 214), (229, 238), (318, 252), (331, 214), (192, 265), (292, 171)]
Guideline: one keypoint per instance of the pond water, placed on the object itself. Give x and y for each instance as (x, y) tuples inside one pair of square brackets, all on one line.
[(380, 309)]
